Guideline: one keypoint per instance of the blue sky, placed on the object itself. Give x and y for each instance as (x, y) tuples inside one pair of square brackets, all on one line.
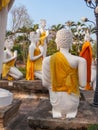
[(55, 11)]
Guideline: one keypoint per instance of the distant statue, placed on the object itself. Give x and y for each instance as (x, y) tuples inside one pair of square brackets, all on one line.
[(86, 53), (10, 71), (43, 35), (63, 74), (35, 57), (5, 6)]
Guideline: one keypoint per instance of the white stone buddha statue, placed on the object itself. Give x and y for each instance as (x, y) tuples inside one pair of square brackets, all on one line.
[(5, 6), (35, 57), (10, 71), (43, 35), (63, 74)]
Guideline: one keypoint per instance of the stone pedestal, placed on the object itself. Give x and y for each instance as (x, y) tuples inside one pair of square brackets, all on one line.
[(26, 86), (8, 113), (41, 118)]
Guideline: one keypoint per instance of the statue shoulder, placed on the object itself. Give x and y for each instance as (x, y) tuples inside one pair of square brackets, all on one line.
[(46, 60), (38, 31)]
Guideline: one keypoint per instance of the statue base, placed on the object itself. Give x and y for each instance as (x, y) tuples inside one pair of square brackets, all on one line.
[(42, 118)]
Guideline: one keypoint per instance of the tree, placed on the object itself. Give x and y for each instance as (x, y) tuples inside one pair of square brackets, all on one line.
[(57, 27), (20, 18)]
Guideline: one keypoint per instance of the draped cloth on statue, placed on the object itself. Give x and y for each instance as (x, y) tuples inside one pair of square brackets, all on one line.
[(64, 78), (33, 65), (3, 3), (6, 69), (86, 53), (42, 38)]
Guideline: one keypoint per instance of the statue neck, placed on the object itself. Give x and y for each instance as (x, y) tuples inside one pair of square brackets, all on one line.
[(63, 50), (42, 29)]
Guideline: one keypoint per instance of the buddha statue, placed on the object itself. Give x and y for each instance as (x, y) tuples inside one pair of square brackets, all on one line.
[(10, 71), (6, 97), (63, 74), (35, 57), (5, 6), (86, 53), (43, 35)]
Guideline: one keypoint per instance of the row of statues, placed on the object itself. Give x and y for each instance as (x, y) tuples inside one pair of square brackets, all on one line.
[(37, 51), (62, 74)]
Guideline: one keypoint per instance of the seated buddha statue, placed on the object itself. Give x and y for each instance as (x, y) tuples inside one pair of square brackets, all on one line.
[(43, 35), (35, 57), (63, 74), (10, 71), (5, 6)]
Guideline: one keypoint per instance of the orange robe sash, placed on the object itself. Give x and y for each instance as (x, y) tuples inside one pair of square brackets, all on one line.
[(86, 53), (64, 78), (33, 65), (3, 3)]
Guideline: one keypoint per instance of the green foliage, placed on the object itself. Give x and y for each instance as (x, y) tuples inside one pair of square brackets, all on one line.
[(93, 127), (57, 27), (78, 29), (51, 48), (21, 38), (76, 48), (22, 50), (21, 44), (8, 33), (23, 70)]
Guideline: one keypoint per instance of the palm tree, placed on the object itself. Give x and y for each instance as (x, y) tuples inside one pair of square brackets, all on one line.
[(57, 27), (70, 24)]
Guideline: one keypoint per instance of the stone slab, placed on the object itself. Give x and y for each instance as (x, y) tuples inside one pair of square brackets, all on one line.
[(9, 112), (41, 118), (23, 86)]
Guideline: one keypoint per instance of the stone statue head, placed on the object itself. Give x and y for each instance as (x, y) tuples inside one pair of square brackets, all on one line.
[(34, 36), (9, 43), (64, 38), (43, 23)]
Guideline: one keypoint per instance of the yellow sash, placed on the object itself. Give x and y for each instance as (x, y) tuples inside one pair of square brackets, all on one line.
[(33, 65), (3, 3), (6, 68), (42, 38), (64, 78)]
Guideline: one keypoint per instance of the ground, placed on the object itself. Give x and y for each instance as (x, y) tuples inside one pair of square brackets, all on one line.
[(29, 103)]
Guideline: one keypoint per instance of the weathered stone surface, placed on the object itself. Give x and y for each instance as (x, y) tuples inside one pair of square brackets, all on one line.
[(23, 86), (41, 118), (8, 113)]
